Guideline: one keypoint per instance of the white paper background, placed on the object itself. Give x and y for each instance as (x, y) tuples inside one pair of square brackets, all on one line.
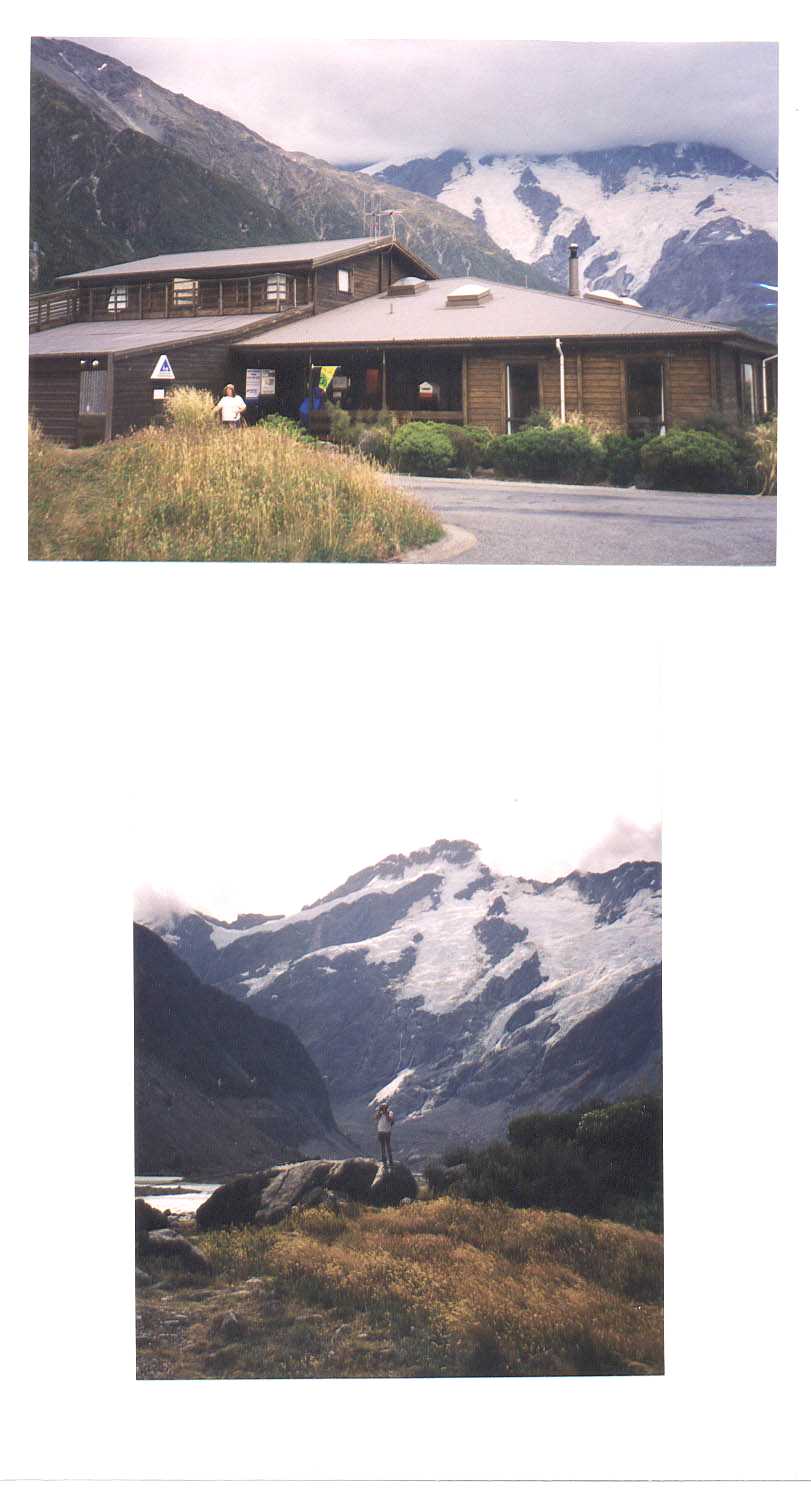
[(104, 662)]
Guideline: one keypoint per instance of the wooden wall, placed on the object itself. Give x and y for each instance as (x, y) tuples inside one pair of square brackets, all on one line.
[(689, 395), (486, 398), (698, 381), (208, 363), (53, 398)]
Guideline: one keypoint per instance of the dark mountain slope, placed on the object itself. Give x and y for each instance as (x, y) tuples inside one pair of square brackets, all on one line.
[(314, 199), (101, 195), (218, 1089)]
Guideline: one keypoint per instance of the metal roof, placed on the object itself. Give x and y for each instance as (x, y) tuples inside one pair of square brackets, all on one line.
[(313, 252), (511, 312), (129, 334)]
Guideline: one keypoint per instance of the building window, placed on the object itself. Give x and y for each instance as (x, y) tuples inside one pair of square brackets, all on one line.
[(184, 292), (118, 299), (345, 281), (748, 398), (276, 290)]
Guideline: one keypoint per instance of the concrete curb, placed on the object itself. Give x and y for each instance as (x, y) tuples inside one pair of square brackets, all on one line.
[(453, 542)]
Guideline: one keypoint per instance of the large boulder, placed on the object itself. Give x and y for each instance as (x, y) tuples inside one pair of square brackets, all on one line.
[(236, 1202), (391, 1185), (147, 1217), (353, 1178), (300, 1185), (169, 1242)]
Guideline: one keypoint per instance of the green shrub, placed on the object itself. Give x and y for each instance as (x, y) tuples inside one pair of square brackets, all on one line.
[(422, 448), (286, 425), (539, 418), (471, 446), (343, 429), (567, 453), (602, 1159), (688, 459), (375, 442), (621, 457)]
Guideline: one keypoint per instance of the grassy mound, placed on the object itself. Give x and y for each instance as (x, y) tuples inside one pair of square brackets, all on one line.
[(435, 1288), (195, 493)]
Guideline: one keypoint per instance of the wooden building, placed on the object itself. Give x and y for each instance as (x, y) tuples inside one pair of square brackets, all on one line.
[(95, 345), (402, 340), (490, 354)]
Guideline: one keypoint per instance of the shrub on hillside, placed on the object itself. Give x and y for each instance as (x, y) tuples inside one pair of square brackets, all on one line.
[(688, 459), (422, 448), (567, 453), (189, 408), (602, 1159)]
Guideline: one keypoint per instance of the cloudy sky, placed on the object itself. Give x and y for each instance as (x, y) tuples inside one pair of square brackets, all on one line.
[(368, 730), (354, 102)]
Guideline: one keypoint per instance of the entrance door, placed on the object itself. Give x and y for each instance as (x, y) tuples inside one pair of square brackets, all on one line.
[(92, 402), (646, 397), (522, 394)]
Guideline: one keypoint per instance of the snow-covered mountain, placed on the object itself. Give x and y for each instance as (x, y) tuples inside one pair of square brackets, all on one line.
[(685, 228), (463, 996)]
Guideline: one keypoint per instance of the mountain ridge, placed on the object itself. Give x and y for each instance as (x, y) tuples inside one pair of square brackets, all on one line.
[(315, 199), (462, 992)]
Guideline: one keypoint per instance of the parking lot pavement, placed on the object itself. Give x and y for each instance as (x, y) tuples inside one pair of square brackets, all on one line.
[(547, 523)]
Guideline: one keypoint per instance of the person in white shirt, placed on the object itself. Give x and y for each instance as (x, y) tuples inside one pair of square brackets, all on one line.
[(230, 407), (384, 1117)]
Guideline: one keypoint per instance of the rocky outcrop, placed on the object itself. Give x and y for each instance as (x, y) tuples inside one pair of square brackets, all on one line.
[(392, 1185), (167, 1242), (268, 1197), (147, 1217), (236, 1202), (353, 1178)]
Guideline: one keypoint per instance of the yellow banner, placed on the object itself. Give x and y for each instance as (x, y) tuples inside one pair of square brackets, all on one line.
[(327, 372)]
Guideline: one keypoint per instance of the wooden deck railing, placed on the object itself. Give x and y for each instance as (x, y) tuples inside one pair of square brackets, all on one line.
[(51, 309)]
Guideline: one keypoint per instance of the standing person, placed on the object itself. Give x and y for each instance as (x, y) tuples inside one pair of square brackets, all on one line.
[(230, 407), (384, 1117)]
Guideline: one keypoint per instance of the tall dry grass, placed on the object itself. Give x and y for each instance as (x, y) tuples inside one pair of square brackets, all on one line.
[(492, 1290), (192, 492), (764, 442)]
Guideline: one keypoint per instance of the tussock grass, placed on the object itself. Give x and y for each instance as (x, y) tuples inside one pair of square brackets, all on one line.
[(764, 442), (476, 1289), (195, 493)]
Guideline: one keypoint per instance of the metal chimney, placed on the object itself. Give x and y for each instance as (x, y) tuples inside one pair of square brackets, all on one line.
[(574, 272)]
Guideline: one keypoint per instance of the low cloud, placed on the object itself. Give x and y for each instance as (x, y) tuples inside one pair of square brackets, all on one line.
[(623, 842), (158, 908)]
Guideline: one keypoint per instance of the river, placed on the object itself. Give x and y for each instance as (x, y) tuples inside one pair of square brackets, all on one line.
[(177, 1194)]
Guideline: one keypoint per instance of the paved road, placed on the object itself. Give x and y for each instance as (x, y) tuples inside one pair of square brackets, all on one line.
[(551, 523)]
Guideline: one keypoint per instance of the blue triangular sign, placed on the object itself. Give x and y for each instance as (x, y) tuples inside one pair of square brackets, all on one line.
[(163, 370)]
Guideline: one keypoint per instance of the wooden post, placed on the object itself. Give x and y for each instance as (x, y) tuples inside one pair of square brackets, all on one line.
[(250, 294), (579, 380), (464, 389), (219, 297), (166, 300), (384, 395)]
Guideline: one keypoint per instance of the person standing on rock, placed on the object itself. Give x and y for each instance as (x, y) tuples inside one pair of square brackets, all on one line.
[(384, 1117)]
